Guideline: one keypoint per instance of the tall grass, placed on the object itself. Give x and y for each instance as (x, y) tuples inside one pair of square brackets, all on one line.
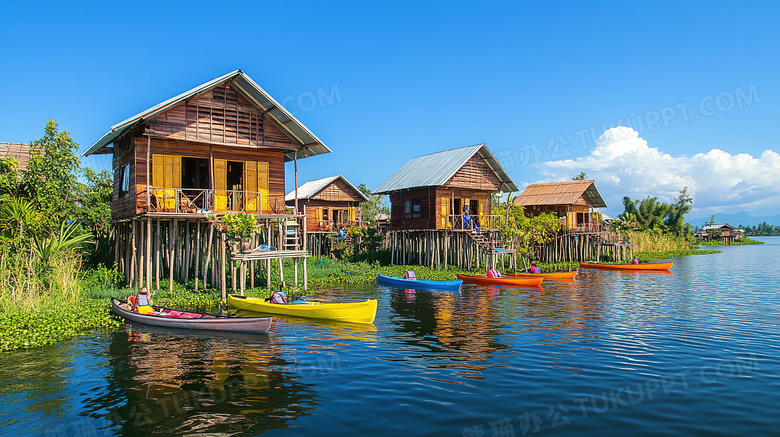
[(652, 241), (27, 284)]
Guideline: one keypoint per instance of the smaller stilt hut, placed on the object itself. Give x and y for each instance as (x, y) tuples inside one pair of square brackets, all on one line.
[(330, 204)]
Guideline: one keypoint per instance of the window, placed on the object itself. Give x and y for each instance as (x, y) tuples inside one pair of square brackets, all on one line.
[(124, 178)]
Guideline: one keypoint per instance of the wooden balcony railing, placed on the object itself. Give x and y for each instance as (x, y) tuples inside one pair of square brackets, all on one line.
[(474, 222), (183, 200)]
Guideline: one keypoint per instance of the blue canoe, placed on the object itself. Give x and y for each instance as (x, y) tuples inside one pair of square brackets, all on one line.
[(418, 284)]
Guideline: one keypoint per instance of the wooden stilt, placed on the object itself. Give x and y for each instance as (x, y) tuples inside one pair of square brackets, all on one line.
[(222, 268)]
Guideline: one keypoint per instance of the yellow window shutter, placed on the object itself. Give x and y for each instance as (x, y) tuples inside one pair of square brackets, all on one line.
[(479, 208), (176, 171), (168, 171), (444, 212), (250, 176), (262, 184), (220, 174), (157, 171), (352, 215), (220, 185)]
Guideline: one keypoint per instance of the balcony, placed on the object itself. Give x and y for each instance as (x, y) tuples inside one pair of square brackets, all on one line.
[(195, 200)]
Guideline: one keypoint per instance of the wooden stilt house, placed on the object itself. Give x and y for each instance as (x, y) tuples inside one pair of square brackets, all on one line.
[(218, 148), (330, 203), (572, 201), (583, 236), (446, 191)]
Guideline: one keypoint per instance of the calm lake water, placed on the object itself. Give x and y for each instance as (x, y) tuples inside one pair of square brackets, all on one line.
[(691, 352)]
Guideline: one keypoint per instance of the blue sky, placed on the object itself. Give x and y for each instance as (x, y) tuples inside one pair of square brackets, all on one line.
[(690, 88)]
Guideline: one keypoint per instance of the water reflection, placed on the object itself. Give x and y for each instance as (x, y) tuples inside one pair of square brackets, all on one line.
[(457, 331), (179, 382)]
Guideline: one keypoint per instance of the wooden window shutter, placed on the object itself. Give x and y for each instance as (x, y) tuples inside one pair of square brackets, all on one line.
[(220, 185), (176, 171), (250, 176), (158, 164), (168, 171), (262, 184), (444, 209)]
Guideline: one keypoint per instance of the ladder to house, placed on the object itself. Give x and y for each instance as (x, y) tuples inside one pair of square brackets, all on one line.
[(292, 235)]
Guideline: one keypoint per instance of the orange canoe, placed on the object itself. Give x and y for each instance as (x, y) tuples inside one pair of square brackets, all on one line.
[(546, 276), (648, 266), (484, 280)]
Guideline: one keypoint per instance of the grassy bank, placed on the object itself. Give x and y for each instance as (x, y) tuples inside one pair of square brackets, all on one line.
[(744, 241)]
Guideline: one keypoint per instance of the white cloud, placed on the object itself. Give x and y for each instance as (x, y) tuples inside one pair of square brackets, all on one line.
[(624, 165)]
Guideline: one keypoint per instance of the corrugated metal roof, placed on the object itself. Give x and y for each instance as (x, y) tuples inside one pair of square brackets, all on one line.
[(561, 193), (19, 151), (437, 168), (251, 90), (311, 188)]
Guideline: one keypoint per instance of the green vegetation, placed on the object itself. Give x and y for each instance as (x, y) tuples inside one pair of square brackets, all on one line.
[(762, 230), (657, 256), (650, 214), (239, 225), (744, 241), (522, 232)]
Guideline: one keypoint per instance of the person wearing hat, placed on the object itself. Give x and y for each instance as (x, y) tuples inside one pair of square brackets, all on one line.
[(143, 301)]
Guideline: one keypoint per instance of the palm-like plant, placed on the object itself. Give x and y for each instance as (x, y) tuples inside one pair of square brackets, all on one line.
[(69, 237)]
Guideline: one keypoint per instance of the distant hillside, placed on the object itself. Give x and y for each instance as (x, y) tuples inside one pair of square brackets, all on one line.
[(736, 219)]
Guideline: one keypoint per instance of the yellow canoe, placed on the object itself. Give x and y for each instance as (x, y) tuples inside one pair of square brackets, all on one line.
[(547, 276), (352, 312)]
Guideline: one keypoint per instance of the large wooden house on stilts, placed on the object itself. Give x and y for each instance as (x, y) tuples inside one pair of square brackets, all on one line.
[(330, 204), (216, 149), (440, 209)]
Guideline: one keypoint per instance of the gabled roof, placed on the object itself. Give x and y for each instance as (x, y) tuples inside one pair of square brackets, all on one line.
[(249, 89), (312, 188), (718, 227), (437, 168), (19, 151), (561, 193)]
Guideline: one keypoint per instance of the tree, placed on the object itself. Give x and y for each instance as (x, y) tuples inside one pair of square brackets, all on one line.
[(675, 217), (373, 208), (580, 177), (524, 233), (94, 200), (9, 178), (50, 178), (651, 214)]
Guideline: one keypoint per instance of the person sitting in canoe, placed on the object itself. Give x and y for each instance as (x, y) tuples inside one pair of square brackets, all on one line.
[(493, 273), (410, 275), (533, 268), (143, 302), (635, 260)]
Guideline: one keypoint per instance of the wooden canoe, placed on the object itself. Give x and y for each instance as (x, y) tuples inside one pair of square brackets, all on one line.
[(484, 280), (418, 284), (354, 312), (647, 266), (169, 318), (558, 276)]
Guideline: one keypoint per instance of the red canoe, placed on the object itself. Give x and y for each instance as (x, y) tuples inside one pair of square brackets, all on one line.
[(648, 266), (484, 280), (557, 276)]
